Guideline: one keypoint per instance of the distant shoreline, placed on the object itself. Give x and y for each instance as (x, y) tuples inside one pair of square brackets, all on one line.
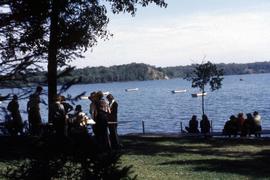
[(139, 72)]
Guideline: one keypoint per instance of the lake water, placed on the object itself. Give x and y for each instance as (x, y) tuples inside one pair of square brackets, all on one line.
[(162, 111)]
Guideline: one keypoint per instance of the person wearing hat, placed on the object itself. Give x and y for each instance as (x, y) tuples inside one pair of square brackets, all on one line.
[(113, 121), (59, 117)]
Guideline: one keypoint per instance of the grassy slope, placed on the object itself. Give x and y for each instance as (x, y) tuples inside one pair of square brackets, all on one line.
[(170, 158)]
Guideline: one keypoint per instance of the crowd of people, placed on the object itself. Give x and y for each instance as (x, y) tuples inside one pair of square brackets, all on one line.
[(68, 122), (244, 126)]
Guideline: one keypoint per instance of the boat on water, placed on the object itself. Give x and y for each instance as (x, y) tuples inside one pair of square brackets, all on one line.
[(198, 94), (179, 91), (104, 93), (131, 89)]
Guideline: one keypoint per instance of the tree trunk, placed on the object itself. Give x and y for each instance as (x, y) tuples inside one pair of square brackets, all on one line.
[(52, 58), (203, 100)]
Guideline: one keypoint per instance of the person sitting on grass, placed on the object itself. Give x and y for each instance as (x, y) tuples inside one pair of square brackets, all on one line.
[(193, 125), (230, 127), (205, 125), (248, 126), (257, 123)]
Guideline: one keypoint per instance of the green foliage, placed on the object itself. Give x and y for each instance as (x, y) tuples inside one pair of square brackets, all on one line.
[(206, 73), (58, 158)]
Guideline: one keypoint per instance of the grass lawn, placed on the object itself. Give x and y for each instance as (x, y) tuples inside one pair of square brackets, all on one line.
[(190, 158)]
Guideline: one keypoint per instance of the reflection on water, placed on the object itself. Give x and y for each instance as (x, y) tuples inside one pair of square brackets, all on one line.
[(162, 110)]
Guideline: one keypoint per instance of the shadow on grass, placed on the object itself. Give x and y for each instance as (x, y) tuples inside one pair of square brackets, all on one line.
[(257, 167), (55, 157), (222, 155)]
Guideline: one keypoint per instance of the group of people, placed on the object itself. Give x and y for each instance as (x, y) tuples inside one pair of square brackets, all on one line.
[(103, 118), (194, 123), (245, 126)]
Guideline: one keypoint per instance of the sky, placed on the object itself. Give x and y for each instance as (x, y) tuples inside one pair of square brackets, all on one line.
[(186, 32)]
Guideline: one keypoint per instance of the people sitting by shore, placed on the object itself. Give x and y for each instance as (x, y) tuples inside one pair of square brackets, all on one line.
[(230, 127), (248, 126), (257, 124), (240, 121), (193, 125), (205, 125)]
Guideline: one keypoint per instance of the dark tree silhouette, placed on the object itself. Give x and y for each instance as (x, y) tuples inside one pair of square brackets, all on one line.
[(54, 32), (206, 73)]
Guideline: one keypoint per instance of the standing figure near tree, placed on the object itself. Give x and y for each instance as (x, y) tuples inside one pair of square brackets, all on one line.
[(59, 117), (113, 120), (33, 110), (16, 124)]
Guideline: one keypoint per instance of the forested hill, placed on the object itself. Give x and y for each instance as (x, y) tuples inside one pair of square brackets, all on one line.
[(141, 72), (128, 72), (229, 69)]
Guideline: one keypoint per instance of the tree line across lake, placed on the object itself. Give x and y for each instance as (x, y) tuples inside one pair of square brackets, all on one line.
[(141, 72)]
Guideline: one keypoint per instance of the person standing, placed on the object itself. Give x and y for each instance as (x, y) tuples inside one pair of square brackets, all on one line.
[(102, 118), (16, 123), (33, 110), (67, 106), (59, 117), (113, 121), (93, 110)]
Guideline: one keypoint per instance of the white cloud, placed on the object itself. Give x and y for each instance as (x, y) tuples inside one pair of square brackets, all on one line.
[(242, 37)]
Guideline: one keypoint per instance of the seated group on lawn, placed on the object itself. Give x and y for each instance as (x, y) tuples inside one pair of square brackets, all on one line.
[(243, 126), (204, 125)]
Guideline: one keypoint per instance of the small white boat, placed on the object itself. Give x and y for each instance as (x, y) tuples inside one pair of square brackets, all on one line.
[(104, 93), (198, 94), (179, 91), (84, 97), (132, 89)]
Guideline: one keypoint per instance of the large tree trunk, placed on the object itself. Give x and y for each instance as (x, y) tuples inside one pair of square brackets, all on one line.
[(52, 58)]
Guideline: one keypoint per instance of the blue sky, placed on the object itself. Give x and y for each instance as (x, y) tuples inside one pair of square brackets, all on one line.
[(186, 32)]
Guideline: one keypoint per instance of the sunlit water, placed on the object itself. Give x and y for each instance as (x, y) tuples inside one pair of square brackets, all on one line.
[(163, 111)]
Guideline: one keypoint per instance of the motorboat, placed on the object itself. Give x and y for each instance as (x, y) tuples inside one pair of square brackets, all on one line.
[(199, 94), (131, 89), (179, 91)]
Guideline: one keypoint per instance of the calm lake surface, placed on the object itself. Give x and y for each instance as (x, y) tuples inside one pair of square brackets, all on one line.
[(162, 111)]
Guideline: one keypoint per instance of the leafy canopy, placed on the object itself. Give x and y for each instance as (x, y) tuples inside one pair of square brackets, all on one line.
[(206, 73), (26, 28)]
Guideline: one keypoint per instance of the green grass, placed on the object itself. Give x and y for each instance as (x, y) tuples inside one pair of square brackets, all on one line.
[(181, 158)]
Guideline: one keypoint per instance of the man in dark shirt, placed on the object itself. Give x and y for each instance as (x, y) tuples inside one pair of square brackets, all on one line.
[(113, 122)]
